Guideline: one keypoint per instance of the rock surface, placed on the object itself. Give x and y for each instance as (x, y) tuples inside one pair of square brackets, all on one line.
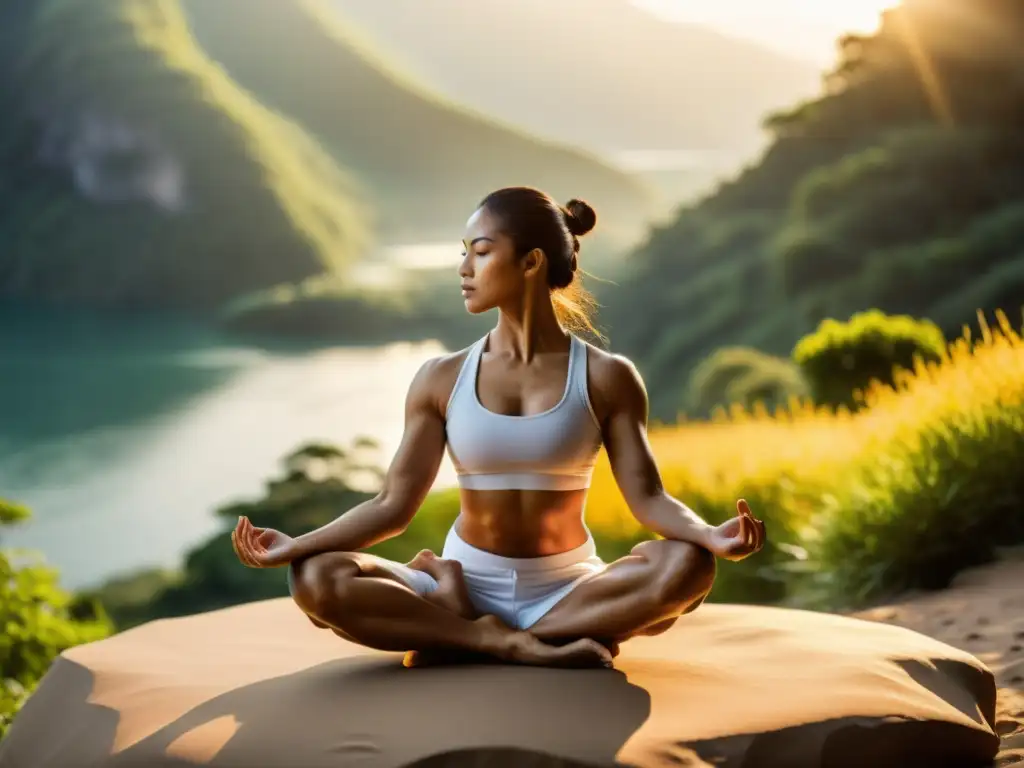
[(257, 685)]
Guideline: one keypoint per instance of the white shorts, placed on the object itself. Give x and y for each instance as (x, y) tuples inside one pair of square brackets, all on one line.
[(518, 590)]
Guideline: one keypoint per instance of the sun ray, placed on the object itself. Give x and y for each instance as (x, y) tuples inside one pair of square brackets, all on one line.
[(934, 92)]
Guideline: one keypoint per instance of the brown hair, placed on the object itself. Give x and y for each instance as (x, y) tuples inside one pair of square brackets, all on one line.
[(532, 219)]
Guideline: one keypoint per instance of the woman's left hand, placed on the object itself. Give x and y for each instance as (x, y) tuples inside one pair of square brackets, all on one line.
[(261, 547), (739, 537)]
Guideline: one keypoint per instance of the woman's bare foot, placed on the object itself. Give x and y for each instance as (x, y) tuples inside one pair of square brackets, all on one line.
[(503, 644), (527, 649), (451, 592)]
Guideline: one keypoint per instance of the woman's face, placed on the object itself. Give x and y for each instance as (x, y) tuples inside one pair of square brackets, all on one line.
[(492, 275)]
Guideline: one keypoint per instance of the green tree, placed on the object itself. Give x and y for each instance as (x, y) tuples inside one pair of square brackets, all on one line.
[(840, 359), (743, 375)]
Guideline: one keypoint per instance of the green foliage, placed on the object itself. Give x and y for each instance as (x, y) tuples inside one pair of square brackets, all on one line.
[(940, 491), (841, 359), (943, 498), (11, 512), (745, 376), (980, 268), (771, 387), (808, 256), (39, 621)]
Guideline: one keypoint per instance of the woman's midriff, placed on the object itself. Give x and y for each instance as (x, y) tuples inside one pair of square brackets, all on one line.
[(522, 523)]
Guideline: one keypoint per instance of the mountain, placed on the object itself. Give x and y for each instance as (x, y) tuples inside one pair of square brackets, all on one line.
[(424, 160), (135, 173), (600, 74), (899, 187)]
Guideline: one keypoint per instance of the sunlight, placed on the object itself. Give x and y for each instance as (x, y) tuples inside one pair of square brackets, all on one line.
[(855, 15), (805, 27), (850, 15), (204, 742)]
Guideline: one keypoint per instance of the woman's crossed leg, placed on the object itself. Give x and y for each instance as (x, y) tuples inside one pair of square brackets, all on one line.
[(364, 601)]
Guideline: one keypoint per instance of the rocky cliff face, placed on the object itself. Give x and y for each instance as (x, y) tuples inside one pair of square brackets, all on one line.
[(111, 161)]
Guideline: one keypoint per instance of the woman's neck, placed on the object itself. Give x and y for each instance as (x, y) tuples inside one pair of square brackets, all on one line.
[(529, 330)]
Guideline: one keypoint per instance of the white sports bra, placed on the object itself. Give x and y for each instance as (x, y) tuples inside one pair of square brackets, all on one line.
[(554, 450)]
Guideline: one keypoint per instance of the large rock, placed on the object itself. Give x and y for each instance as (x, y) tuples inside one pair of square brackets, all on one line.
[(258, 686)]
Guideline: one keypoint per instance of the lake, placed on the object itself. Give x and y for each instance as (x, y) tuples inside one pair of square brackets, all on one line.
[(123, 435)]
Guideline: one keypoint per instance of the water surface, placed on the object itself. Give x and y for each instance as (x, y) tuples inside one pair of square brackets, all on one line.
[(123, 435)]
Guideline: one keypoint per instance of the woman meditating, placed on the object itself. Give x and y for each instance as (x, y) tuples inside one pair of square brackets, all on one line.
[(523, 413)]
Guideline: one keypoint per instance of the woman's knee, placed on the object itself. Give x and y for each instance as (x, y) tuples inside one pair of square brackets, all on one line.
[(682, 572), (319, 581)]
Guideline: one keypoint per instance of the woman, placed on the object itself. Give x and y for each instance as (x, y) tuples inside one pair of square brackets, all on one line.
[(523, 413)]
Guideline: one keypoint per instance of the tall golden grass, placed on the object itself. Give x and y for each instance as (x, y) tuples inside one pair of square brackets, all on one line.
[(891, 490)]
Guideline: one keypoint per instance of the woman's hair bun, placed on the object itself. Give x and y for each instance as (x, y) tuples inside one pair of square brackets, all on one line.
[(580, 218)]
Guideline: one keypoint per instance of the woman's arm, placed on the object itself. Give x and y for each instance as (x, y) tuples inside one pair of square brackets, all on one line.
[(408, 480), (623, 407)]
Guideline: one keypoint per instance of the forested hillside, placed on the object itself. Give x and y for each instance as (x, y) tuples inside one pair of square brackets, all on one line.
[(425, 161), (134, 172), (901, 187)]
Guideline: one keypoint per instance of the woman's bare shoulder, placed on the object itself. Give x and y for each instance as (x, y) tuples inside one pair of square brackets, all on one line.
[(606, 367), (436, 378), (613, 380)]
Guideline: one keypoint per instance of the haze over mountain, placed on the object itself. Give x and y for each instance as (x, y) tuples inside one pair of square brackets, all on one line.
[(602, 74), (423, 161)]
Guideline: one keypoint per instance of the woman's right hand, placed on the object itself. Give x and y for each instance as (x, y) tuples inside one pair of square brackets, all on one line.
[(261, 547)]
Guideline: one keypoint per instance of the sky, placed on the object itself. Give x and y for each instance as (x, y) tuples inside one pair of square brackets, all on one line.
[(805, 29)]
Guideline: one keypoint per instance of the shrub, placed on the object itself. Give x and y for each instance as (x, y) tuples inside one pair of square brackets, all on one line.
[(742, 375), (773, 386), (39, 622), (840, 360)]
